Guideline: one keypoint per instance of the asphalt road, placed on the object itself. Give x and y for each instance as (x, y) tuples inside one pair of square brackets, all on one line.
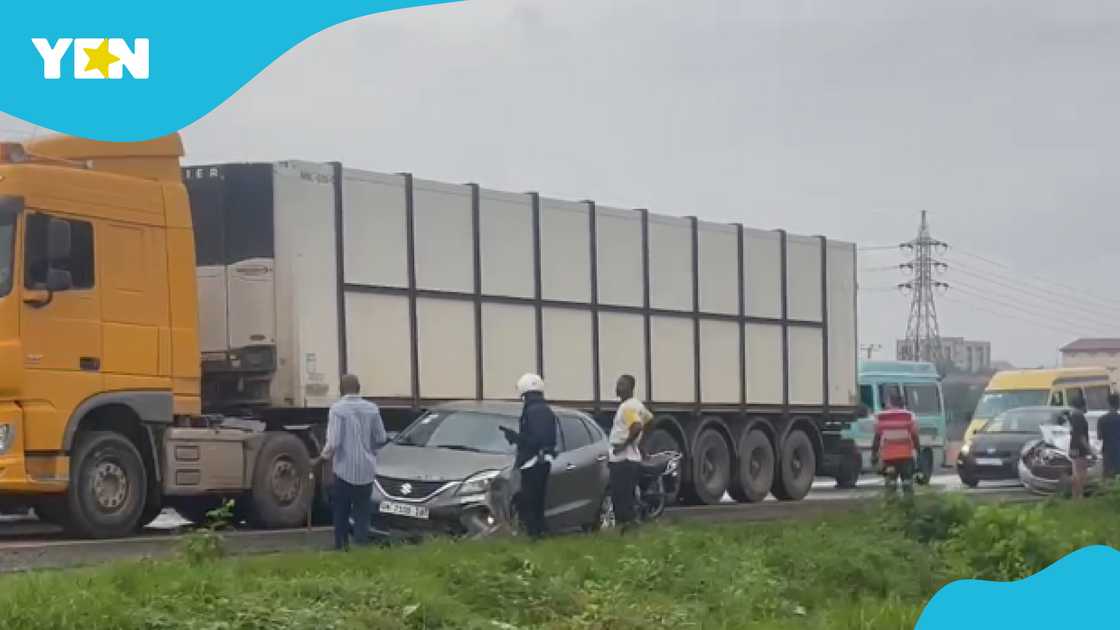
[(26, 543)]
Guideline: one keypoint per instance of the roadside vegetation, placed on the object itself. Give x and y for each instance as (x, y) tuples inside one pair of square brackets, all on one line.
[(873, 570)]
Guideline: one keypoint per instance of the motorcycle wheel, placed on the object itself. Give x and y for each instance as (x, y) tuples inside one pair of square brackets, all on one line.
[(653, 504)]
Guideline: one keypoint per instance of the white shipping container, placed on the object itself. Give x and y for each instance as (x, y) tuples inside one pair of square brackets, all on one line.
[(431, 291)]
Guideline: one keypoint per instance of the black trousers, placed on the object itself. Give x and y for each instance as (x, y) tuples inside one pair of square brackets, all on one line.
[(534, 490), (624, 484)]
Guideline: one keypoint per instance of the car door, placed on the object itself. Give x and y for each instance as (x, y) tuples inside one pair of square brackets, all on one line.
[(574, 486)]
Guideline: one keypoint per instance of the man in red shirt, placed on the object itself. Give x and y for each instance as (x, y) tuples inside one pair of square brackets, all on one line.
[(896, 445)]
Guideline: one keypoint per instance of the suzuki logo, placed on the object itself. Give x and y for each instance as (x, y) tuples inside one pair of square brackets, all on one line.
[(406, 489)]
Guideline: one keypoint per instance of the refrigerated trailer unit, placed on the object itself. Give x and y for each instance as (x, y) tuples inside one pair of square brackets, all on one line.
[(743, 341)]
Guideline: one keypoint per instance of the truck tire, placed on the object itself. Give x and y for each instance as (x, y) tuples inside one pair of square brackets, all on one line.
[(281, 491), (755, 472), (711, 467), (797, 467), (108, 487)]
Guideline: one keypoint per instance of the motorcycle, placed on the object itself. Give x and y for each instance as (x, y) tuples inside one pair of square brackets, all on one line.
[(658, 484)]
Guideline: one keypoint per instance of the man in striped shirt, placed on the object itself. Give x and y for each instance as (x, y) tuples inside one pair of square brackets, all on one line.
[(354, 433)]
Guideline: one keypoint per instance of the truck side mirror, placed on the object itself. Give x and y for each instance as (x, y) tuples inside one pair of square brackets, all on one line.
[(58, 241), (59, 280)]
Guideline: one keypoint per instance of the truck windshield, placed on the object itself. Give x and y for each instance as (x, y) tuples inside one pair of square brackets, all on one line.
[(994, 403), (460, 431), (7, 240)]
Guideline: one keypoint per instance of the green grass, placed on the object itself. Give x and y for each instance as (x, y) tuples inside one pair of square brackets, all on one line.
[(872, 570)]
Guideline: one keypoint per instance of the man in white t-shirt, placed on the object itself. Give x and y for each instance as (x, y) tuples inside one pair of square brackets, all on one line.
[(625, 458)]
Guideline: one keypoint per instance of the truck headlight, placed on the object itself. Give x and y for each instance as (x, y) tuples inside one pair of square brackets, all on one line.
[(479, 483), (7, 432)]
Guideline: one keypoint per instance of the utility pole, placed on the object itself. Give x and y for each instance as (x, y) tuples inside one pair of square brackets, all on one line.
[(923, 336), (871, 349)]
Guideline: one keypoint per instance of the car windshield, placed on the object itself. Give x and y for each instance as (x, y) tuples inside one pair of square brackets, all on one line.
[(460, 431), (7, 233), (994, 403), (1022, 421)]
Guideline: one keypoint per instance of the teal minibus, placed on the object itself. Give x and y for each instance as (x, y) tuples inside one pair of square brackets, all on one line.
[(919, 385)]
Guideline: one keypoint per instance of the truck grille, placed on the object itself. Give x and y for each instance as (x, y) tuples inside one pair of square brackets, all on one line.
[(416, 489)]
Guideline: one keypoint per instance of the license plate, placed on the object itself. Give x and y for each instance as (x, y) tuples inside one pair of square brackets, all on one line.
[(404, 509), (989, 461)]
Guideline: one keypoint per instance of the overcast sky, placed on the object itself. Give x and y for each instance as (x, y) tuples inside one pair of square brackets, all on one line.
[(844, 119)]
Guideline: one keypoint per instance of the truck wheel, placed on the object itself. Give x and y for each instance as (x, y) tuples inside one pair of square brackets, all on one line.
[(755, 469), (281, 491), (925, 466), (108, 487), (711, 467), (797, 468)]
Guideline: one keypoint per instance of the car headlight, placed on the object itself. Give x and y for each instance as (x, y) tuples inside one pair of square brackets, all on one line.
[(966, 448), (479, 483), (7, 432)]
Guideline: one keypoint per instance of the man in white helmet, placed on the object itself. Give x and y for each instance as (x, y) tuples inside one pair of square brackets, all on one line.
[(536, 446)]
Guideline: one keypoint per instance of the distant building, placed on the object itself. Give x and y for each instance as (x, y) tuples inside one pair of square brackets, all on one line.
[(967, 356), (1100, 352)]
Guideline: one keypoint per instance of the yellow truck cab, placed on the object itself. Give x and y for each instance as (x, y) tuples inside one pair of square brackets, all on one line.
[(99, 358), (1032, 388)]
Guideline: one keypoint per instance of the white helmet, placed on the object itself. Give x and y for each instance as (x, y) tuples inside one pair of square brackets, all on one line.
[(529, 383)]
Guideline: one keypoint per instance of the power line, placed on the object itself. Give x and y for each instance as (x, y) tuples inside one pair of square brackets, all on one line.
[(1056, 303), (1019, 311), (978, 303), (879, 248), (1088, 296)]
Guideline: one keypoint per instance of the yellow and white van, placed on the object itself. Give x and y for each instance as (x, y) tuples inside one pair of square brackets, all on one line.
[(1032, 388)]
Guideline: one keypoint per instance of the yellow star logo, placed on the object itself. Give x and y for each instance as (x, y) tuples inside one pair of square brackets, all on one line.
[(100, 58)]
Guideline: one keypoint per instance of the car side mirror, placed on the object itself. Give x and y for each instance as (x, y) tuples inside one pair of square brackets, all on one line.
[(391, 435), (58, 240)]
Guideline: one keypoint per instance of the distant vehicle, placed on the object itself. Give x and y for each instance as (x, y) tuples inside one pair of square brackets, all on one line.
[(451, 471), (1034, 388), (994, 451), (919, 384), (1045, 466)]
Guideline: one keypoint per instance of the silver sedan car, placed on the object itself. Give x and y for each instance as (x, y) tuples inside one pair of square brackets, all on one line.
[(1044, 463), (451, 471)]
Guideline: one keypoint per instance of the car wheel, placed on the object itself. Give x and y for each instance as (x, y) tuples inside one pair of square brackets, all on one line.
[(605, 518)]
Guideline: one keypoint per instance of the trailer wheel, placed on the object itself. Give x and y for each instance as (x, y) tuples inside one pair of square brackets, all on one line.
[(755, 472), (797, 468), (281, 491), (711, 467), (108, 487)]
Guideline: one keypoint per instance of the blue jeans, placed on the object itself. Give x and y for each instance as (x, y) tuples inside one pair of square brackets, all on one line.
[(350, 500)]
